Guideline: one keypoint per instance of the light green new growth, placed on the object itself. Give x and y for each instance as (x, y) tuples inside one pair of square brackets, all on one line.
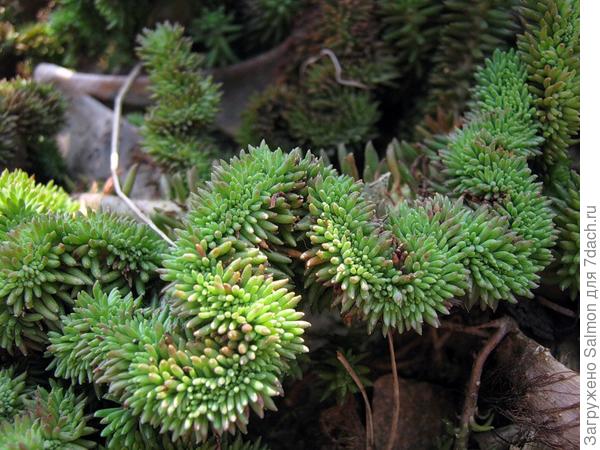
[(47, 260), (21, 199)]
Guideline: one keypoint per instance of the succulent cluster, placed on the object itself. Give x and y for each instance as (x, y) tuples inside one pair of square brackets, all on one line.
[(48, 253), (270, 20), (315, 105), (21, 199), (549, 48), (80, 27), (563, 189), (31, 114), (229, 329), (12, 393), (411, 28), (469, 33), (486, 161), (49, 419), (215, 30), (180, 344), (175, 129)]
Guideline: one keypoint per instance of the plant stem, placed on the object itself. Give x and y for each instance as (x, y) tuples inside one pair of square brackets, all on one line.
[(361, 388), (504, 326), (396, 416)]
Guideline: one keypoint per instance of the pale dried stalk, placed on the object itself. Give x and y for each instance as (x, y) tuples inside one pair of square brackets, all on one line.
[(114, 154)]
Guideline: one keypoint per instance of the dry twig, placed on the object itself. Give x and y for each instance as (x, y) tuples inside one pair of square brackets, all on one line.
[(114, 154), (504, 326), (336, 66), (396, 416), (361, 388)]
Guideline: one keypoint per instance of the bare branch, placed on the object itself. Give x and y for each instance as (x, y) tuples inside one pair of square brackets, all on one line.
[(396, 417), (114, 154), (361, 388), (336, 66), (504, 326)]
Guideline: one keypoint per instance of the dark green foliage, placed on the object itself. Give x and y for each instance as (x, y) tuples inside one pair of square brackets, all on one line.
[(8, 136), (32, 113), (549, 47), (12, 393), (216, 31), (332, 116), (316, 105), (471, 31), (337, 381), (411, 28), (88, 29), (175, 128), (271, 20), (563, 187), (38, 108), (265, 118)]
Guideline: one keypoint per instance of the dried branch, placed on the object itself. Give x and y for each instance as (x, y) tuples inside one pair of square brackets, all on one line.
[(504, 326), (396, 416), (369, 414), (336, 66), (557, 308), (114, 154)]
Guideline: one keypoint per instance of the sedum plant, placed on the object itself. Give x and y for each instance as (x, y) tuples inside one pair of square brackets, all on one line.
[(12, 393), (21, 199), (22, 433), (182, 344), (271, 20), (216, 31), (32, 113), (175, 129), (52, 419), (47, 260), (549, 48)]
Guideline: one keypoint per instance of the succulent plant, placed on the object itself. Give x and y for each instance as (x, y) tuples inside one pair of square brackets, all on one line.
[(412, 29), (48, 259), (175, 129), (563, 188), (502, 95), (471, 31), (22, 433), (21, 199), (8, 136), (12, 393), (39, 109), (61, 418), (332, 114), (77, 347), (549, 47), (337, 381), (271, 20), (216, 31), (32, 113)]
